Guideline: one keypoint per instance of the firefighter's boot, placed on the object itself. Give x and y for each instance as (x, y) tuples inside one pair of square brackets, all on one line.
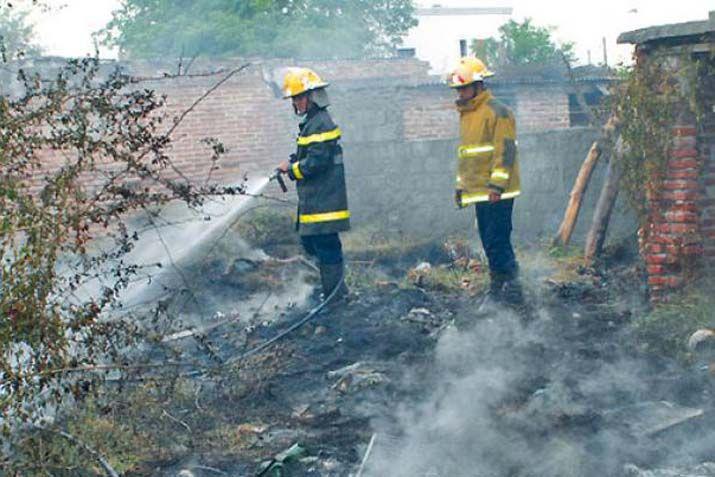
[(514, 297), (512, 293), (494, 296), (332, 276)]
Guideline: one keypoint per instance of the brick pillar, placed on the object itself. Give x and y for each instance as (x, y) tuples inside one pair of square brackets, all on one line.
[(672, 243), (706, 145), (707, 223)]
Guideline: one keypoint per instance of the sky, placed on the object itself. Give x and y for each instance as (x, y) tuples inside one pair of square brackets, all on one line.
[(67, 31), (585, 23)]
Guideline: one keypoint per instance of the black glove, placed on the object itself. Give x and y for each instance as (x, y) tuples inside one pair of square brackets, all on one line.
[(458, 198), (293, 158)]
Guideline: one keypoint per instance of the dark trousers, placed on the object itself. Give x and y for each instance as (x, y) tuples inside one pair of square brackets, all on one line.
[(325, 247), (494, 222)]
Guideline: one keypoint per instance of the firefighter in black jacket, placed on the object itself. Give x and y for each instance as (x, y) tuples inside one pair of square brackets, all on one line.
[(317, 169)]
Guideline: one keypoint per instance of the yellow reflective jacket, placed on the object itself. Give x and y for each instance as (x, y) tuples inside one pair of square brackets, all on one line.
[(487, 155)]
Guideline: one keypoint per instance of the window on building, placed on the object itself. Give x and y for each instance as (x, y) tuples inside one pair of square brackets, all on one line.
[(578, 117)]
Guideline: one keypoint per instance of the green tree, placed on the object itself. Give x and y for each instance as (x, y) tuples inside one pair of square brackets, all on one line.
[(16, 33), (282, 28), (521, 44)]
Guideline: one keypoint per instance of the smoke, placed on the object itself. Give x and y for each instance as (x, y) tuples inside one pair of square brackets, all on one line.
[(516, 400), (454, 432)]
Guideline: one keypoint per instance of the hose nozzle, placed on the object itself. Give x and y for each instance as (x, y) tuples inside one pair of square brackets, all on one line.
[(278, 176)]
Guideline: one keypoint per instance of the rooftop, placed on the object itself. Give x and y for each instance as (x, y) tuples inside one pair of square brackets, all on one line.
[(688, 31)]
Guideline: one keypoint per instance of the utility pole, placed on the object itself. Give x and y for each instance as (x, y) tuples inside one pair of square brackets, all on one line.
[(589, 57), (605, 53), (463, 48)]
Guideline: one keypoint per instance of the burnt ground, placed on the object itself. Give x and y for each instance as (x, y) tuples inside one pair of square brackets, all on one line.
[(445, 390), (290, 396), (565, 390)]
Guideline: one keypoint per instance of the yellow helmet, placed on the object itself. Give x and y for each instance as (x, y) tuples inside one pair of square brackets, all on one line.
[(469, 70), (300, 80)]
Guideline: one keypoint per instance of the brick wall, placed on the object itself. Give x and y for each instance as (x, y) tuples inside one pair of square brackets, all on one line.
[(400, 131), (373, 100), (432, 115), (708, 201), (672, 242), (679, 238), (399, 136), (257, 127), (541, 108), (706, 143), (536, 107)]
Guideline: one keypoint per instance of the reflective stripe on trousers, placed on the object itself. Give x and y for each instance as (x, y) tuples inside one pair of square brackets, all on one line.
[(324, 217)]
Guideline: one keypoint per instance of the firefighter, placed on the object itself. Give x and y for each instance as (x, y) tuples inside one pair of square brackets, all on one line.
[(317, 169), (488, 173)]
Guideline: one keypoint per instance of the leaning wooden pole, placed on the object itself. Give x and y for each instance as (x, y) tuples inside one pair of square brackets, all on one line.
[(604, 208), (568, 224), (576, 197)]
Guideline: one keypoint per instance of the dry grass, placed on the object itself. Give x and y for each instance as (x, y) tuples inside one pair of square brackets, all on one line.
[(666, 328)]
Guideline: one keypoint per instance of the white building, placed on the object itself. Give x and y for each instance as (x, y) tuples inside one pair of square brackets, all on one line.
[(436, 37)]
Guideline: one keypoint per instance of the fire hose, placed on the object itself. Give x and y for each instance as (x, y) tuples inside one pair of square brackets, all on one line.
[(308, 317), (278, 177)]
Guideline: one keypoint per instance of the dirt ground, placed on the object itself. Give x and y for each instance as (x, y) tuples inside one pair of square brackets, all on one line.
[(443, 389), (410, 365)]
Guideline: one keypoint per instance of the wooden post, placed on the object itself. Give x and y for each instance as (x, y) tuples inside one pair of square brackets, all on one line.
[(576, 198), (597, 234), (568, 224)]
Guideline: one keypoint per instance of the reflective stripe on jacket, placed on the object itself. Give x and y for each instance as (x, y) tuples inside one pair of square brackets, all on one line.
[(487, 156), (317, 167)]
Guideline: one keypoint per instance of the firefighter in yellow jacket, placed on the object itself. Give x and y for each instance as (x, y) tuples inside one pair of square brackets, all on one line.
[(488, 172)]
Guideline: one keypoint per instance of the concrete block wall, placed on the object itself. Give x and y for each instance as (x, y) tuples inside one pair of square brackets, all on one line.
[(407, 187)]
